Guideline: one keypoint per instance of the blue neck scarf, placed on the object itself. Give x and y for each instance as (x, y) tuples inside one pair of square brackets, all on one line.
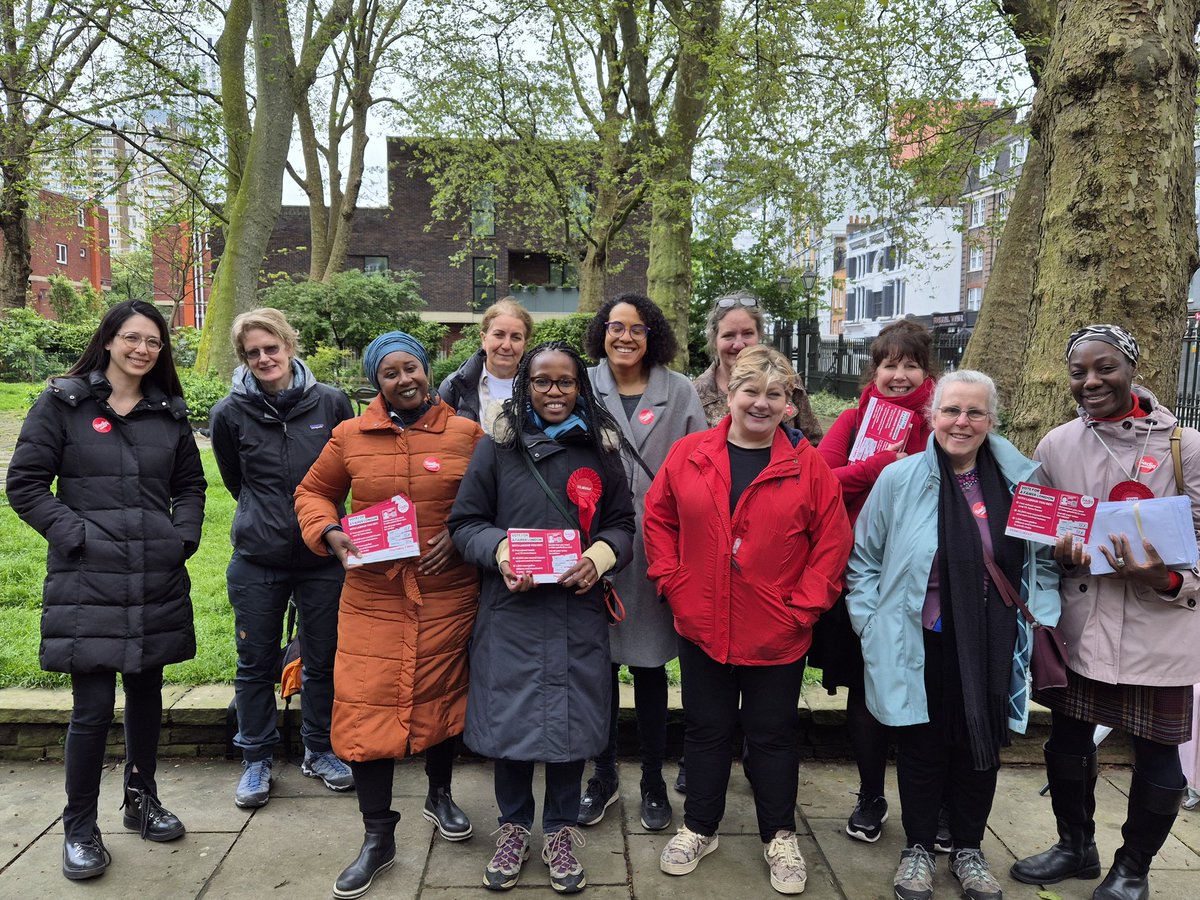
[(553, 431)]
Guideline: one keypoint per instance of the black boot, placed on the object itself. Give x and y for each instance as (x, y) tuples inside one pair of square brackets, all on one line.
[(145, 815), (1152, 812), (440, 809), (377, 855), (85, 859), (1073, 798)]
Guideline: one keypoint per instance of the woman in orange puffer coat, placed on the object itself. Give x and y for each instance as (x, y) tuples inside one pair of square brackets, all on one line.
[(400, 678)]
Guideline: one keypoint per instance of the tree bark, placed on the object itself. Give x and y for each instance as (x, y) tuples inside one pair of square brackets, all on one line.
[(1115, 115), (16, 259)]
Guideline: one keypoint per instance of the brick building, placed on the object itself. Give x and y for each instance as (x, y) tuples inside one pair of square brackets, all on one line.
[(989, 188), (68, 237), (181, 262), (396, 237)]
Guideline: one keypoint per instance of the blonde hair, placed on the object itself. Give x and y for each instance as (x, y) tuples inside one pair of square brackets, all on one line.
[(508, 306), (269, 320), (762, 363), (712, 324)]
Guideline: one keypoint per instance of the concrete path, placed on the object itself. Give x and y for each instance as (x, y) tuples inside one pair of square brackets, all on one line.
[(295, 847)]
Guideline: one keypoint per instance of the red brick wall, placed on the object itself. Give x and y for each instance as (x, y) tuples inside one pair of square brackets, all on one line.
[(56, 221)]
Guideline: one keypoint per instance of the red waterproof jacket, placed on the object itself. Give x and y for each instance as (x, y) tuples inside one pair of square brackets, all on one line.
[(746, 589)]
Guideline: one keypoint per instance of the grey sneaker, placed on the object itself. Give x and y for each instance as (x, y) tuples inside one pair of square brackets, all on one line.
[(325, 765), (598, 797), (684, 851), (914, 878), (254, 787), (512, 849), (975, 875), (788, 875), (566, 872)]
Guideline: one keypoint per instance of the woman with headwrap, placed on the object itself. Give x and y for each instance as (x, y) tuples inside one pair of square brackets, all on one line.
[(1132, 634), (400, 676)]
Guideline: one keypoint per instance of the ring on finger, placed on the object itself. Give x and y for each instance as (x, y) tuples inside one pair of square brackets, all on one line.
[(1120, 562)]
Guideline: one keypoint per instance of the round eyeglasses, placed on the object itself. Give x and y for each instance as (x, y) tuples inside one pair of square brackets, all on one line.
[(637, 332), (133, 340), (542, 384)]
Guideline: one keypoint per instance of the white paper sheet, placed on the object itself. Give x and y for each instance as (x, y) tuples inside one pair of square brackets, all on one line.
[(1166, 521)]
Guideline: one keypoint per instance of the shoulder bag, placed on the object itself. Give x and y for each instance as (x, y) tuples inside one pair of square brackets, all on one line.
[(1049, 658)]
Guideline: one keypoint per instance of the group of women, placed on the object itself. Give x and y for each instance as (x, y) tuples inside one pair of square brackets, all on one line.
[(711, 529)]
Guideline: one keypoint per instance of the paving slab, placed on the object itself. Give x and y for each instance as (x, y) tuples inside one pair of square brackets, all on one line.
[(32, 799)]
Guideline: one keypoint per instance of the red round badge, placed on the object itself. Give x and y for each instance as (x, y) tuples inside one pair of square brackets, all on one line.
[(1130, 490), (1147, 464), (432, 464), (979, 510), (646, 416), (102, 425)]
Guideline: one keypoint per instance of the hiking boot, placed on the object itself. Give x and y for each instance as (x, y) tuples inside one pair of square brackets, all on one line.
[(601, 793), (254, 787), (944, 842), (566, 872), (85, 859), (866, 821), (145, 815), (325, 765), (656, 808), (914, 877), (684, 851), (512, 849), (440, 809), (788, 875), (974, 875)]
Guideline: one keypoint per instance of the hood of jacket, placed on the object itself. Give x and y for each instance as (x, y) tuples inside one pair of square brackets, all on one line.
[(244, 384), (74, 389)]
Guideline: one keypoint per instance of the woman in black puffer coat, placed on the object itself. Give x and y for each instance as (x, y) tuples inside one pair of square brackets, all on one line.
[(123, 519)]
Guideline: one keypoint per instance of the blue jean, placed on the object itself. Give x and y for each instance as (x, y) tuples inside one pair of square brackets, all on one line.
[(259, 596)]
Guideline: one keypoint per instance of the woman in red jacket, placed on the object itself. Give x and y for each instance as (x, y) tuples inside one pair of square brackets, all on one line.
[(747, 539), (902, 373)]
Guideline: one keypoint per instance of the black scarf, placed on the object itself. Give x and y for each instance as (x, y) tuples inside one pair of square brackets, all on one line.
[(978, 628)]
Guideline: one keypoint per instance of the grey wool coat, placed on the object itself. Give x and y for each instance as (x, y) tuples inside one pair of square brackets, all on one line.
[(669, 409)]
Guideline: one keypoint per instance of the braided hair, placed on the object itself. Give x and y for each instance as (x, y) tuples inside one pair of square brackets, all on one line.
[(518, 411)]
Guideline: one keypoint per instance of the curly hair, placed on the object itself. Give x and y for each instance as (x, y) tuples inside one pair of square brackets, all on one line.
[(517, 412), (661, 345)]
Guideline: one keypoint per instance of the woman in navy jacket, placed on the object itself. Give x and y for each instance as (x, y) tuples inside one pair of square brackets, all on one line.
[(124, 517)]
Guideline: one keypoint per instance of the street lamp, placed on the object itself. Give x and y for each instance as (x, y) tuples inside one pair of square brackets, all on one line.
[(809, 279)]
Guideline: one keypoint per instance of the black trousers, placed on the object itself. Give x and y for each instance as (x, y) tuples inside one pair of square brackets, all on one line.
[(716, 697), (929, 768), (373, 778), (650, 704), (1157, 763), (514, 793), (94, 696)]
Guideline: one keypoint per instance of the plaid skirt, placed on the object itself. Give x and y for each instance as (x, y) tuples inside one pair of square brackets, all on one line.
[(1159, 714)]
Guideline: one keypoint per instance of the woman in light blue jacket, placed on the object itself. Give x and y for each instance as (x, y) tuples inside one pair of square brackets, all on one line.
[(946, 659)]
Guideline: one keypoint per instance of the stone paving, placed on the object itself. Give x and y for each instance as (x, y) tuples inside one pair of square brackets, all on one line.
[(296, 845)]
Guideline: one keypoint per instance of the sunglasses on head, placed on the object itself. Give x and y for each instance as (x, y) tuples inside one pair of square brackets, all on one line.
[(737, 299)]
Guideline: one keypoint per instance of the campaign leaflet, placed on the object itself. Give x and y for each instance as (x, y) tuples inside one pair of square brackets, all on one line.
[(883, 425), (384, 530), (1043, 514), (544, 553)]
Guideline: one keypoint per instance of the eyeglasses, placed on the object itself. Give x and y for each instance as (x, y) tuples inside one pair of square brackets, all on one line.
[(269, 350), (542, 385), (637, 332), (736, 299), (133, 340), (953, 412)]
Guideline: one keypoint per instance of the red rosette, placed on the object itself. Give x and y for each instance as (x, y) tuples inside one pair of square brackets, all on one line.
[(583, 489)]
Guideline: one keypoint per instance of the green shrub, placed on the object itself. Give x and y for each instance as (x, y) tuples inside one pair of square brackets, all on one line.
[(184, 341), (332, 366), (829, 406), (33, 348), (569, 329), (201, 392), (460, 351)]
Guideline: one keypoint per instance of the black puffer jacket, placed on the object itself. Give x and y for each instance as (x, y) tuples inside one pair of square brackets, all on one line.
[(263, 455), (127, 514), (461, 387)]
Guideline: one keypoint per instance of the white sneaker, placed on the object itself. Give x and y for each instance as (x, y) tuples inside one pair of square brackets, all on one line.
[(684, 851), (788, 874)]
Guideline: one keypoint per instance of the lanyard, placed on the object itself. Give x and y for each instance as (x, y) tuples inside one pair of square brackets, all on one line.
[(1134, 471)]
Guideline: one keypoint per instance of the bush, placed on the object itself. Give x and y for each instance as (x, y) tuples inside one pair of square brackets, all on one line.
[(184, 341), (569, 329), (332, 366), (461, 350), (829, 406), (33, 348), (202, 392)]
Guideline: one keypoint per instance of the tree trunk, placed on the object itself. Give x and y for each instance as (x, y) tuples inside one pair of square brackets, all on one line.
[(1003, 328), (16, 254), (1115, 115), (669, 254)]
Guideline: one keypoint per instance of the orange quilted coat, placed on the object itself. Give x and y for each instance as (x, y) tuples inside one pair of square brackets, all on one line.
[(400, 679)]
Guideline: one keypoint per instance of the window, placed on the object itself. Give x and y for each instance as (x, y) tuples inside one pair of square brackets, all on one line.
[(483, 282), (483, 212), (976, 260), (977, 212), (852, 267), (889, 299), (852, 305), (375, 264), (60, 254), (974, 298), (986, 168), (82, 218), (1016, 155), (890, 258)]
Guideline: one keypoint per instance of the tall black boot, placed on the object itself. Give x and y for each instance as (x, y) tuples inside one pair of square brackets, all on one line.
[(377, 855), (1073, 799), (1152, 812)]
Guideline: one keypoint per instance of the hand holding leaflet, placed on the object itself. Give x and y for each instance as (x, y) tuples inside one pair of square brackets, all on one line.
[(1164, 521)]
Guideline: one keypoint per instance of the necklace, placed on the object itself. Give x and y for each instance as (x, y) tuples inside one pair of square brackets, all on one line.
[(968, 480), (1131, 488)]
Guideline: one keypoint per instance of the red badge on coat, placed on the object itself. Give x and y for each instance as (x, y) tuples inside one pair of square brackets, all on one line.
[(979, 510), (646, 416), (432, 464), (1147, 464), (102, 425), (583, 489)]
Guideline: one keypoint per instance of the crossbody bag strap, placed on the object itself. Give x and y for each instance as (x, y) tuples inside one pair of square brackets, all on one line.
[(628, 445), (1177, 458), (1008, 593), (571, 520)]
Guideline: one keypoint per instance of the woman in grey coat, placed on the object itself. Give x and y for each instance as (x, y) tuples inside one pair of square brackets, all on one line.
[(654, 408)]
